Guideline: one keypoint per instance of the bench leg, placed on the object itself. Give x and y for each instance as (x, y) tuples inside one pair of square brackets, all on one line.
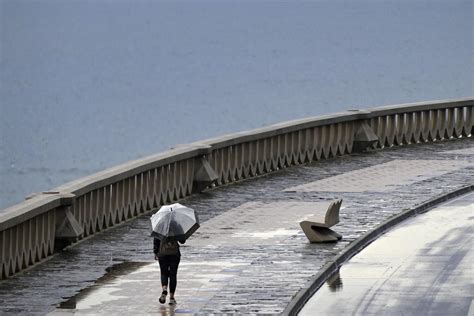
[(320, 234)]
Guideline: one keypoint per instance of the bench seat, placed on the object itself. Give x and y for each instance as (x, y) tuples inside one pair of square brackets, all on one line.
[(316, 227)]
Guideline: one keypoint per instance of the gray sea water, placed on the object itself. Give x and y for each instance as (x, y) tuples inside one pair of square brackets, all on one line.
[(86, 85)]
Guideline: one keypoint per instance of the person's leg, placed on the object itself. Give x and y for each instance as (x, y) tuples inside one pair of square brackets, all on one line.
[(174, 263), (165, 274), (165, 271)]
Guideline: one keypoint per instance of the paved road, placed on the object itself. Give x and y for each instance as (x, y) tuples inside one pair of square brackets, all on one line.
[(249, 256), (423, 266)]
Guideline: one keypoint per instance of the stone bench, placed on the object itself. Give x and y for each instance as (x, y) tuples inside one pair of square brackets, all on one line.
[(316, 227)]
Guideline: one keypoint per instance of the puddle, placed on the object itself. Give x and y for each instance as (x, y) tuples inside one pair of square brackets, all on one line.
[(104, 282)]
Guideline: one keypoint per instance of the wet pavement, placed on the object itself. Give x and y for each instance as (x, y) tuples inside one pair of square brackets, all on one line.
[(423, 266), (249, 256)]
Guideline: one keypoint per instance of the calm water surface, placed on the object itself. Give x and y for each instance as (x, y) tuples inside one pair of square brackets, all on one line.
[(86, 85)]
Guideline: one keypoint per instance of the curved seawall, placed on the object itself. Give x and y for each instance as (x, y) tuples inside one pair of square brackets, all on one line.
[(33, 229)]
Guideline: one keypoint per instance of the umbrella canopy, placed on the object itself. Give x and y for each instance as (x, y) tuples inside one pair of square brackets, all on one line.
[(174, 222)]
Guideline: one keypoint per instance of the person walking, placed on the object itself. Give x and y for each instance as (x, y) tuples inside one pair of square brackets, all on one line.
[(168, 256), (172, 223)]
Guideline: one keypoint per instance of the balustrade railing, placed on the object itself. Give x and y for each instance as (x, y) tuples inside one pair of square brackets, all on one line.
[(32, 230)]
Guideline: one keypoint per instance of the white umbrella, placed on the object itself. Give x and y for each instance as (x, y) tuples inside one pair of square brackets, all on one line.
[(174, 222)]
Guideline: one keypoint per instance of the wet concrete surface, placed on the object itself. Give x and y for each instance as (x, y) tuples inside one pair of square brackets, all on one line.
[(423, 266), (220, 272)]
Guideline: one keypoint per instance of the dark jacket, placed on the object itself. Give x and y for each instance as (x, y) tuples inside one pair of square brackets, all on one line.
[(157, 243)]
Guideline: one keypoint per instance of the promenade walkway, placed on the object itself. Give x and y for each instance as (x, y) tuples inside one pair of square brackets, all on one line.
[(249, 256), (423, 266)]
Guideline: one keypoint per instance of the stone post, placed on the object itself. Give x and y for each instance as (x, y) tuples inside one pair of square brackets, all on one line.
[(364, 137), (204, 175)]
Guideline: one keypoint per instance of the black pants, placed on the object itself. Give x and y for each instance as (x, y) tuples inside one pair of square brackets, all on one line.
[(169, 270)]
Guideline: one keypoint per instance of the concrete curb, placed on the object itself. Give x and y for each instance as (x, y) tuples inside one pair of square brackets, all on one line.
[(300, 299)]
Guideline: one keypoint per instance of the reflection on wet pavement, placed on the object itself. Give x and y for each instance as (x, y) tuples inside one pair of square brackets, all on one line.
[(198, 282), (334, 282), (104, 289), (423, 266)]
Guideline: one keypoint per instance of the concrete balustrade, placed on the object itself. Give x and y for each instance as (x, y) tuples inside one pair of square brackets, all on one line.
[(30, 231)]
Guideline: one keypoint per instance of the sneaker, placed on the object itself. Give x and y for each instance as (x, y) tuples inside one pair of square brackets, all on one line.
[(162, 299), (172, 301)]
